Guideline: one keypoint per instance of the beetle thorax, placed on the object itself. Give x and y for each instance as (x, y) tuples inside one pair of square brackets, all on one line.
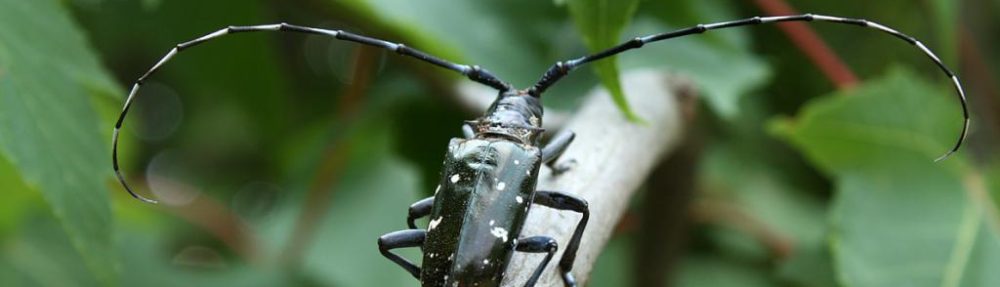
[(514, 115)]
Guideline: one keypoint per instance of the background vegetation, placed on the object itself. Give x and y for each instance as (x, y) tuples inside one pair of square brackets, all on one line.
[(279, 158)]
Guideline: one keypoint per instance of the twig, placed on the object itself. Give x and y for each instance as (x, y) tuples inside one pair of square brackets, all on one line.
[(721, 213), (319, 197), (981, 78), (809, 43), (219, 221), (613, 158), (212, 216)]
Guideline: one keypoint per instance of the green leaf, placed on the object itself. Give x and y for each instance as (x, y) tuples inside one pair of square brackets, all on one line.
[(899, 219), (875, 126), (48, 127), (601, 23), (41, 255)]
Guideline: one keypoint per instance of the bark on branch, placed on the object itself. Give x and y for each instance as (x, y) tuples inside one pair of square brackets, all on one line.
[(613, 158)]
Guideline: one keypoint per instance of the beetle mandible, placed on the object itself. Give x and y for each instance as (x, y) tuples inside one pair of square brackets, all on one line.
[(487, 185)]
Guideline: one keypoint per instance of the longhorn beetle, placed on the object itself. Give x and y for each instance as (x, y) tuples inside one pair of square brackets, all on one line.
[(488, 182)]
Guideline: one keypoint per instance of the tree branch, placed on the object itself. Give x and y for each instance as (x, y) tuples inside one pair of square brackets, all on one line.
[(613, 158)]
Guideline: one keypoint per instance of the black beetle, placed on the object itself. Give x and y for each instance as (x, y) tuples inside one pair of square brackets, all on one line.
[(487, 188), (488, 183)]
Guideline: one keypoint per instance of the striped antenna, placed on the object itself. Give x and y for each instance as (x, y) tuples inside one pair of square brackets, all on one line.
[(474, 73), (560, 69)]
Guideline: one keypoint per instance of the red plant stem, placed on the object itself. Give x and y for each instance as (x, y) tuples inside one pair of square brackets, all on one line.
[(980, 76), (721, 213), (809, 43), (319, 197), (317, 201), (219, 221), (215, 218)]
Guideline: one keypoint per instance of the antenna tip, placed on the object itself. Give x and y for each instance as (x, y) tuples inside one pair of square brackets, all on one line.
[(945, 156), (121, 179), (140, 197)]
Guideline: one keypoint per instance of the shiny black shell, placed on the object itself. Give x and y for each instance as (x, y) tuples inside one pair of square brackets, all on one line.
[(481, 203)]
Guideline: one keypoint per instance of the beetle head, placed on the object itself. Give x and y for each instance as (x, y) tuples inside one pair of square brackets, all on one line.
[(514, 114)]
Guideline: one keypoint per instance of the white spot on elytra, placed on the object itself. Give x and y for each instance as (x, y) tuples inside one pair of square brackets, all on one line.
[(519, 199), (486, 261), (492, 222), (528, 172), (499, 232), (434, 223), (501, 185), (517, 162), (455, 178)]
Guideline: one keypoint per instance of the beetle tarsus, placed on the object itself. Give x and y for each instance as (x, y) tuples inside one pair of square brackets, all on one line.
[(563, 201), (419, 209), (555, 148), (569, 279), (538, 244), (402, 239), (557, 145), (562, 167)]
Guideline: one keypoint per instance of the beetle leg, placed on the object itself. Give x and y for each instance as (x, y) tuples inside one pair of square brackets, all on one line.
[(562, 201), (556, 146), (467, 131), (402, 239), (537, 244), (419, 209)]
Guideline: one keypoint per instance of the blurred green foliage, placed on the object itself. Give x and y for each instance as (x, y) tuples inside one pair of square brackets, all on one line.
[(280, 159)]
